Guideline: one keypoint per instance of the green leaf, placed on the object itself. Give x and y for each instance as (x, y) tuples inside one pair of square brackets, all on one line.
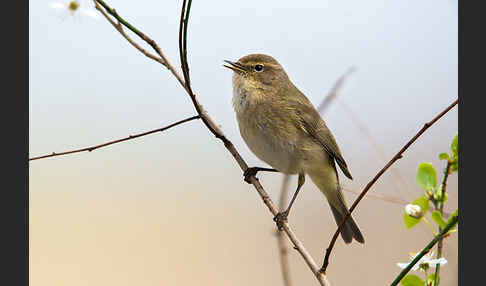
[(445, 197), (454, 214), (423, 203), (444, 156), (454, 167), (426, 176), (454, 145), (412, 280), (437, 217), (410, 221), (431, 280)]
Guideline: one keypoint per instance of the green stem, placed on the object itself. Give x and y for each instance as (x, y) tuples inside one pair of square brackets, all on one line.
[(429, 225), (186, 20), (441, 209), (424, 251), (113, 13)]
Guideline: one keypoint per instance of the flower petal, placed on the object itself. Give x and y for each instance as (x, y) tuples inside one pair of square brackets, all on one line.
[(404, 265), (434, 262), (58, 5)]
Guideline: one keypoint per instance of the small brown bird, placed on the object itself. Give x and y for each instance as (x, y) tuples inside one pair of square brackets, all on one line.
[(282, 128)]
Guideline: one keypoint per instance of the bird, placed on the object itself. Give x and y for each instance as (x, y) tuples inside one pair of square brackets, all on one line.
[(281, 127)]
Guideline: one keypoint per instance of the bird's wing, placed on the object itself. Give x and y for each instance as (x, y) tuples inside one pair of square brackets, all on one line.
[(316, 127)]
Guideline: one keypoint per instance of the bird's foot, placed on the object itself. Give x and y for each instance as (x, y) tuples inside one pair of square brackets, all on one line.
[(280, 219), (252, 171)]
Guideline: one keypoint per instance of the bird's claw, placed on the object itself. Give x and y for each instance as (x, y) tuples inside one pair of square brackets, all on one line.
[(280, 219), (249, 172)]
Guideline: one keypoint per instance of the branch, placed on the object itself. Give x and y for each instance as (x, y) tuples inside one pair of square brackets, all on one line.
[(362, 127), (380, 197), (334, 90), (378, 175), (366, 132), (130, 137), (119, 28), (144, 37), (331, 96), (230, 147), (282, 246), (441, 209), (424, 251), (213, 128)]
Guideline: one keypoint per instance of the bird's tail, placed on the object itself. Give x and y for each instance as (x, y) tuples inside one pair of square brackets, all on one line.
[(327, 182)]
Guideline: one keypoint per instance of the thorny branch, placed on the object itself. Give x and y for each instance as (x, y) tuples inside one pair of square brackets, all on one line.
[(130, 137), (378, 175)]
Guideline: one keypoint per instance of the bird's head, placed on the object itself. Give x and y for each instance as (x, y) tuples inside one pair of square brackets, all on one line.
[(258, 71)]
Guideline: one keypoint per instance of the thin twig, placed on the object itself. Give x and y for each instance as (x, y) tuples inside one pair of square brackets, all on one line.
[(282, 244), (386, 198), (334, 90), (424, 251), (330, 97), (130, 137), (333, 94), (144, 37), (382, 197), (119, 28), (326, 102), (378, 175), (367, 133), (213, 128), (441, 210), (230, 147)]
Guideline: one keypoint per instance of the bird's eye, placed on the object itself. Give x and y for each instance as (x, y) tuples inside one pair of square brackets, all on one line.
[(258, 68)]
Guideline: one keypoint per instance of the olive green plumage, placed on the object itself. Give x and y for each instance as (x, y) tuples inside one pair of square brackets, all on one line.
[(282, 127)]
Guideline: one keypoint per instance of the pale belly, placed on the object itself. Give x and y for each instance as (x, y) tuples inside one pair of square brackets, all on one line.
[(271, 136), (288, 154), (281, 155)]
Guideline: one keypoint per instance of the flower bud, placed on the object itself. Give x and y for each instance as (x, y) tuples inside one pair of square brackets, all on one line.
[(414, 211)]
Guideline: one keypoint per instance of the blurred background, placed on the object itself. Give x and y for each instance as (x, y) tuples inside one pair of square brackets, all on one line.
[(171, 208)]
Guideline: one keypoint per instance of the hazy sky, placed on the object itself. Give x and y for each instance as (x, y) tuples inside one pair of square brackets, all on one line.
[(87, 85)]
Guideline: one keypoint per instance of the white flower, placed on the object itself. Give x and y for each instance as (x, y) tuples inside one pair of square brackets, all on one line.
[(74, 8), (425, 262), (414, 210)]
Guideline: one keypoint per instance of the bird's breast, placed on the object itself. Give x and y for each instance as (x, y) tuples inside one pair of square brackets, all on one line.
[(268, 135)]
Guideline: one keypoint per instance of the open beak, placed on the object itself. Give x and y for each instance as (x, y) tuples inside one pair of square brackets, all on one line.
[(235, 66)]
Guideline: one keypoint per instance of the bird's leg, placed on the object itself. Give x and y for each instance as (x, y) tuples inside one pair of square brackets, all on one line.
[(281, 217), (253, 171)]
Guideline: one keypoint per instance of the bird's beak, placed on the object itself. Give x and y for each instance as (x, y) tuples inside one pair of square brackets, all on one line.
[(235, 66)]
